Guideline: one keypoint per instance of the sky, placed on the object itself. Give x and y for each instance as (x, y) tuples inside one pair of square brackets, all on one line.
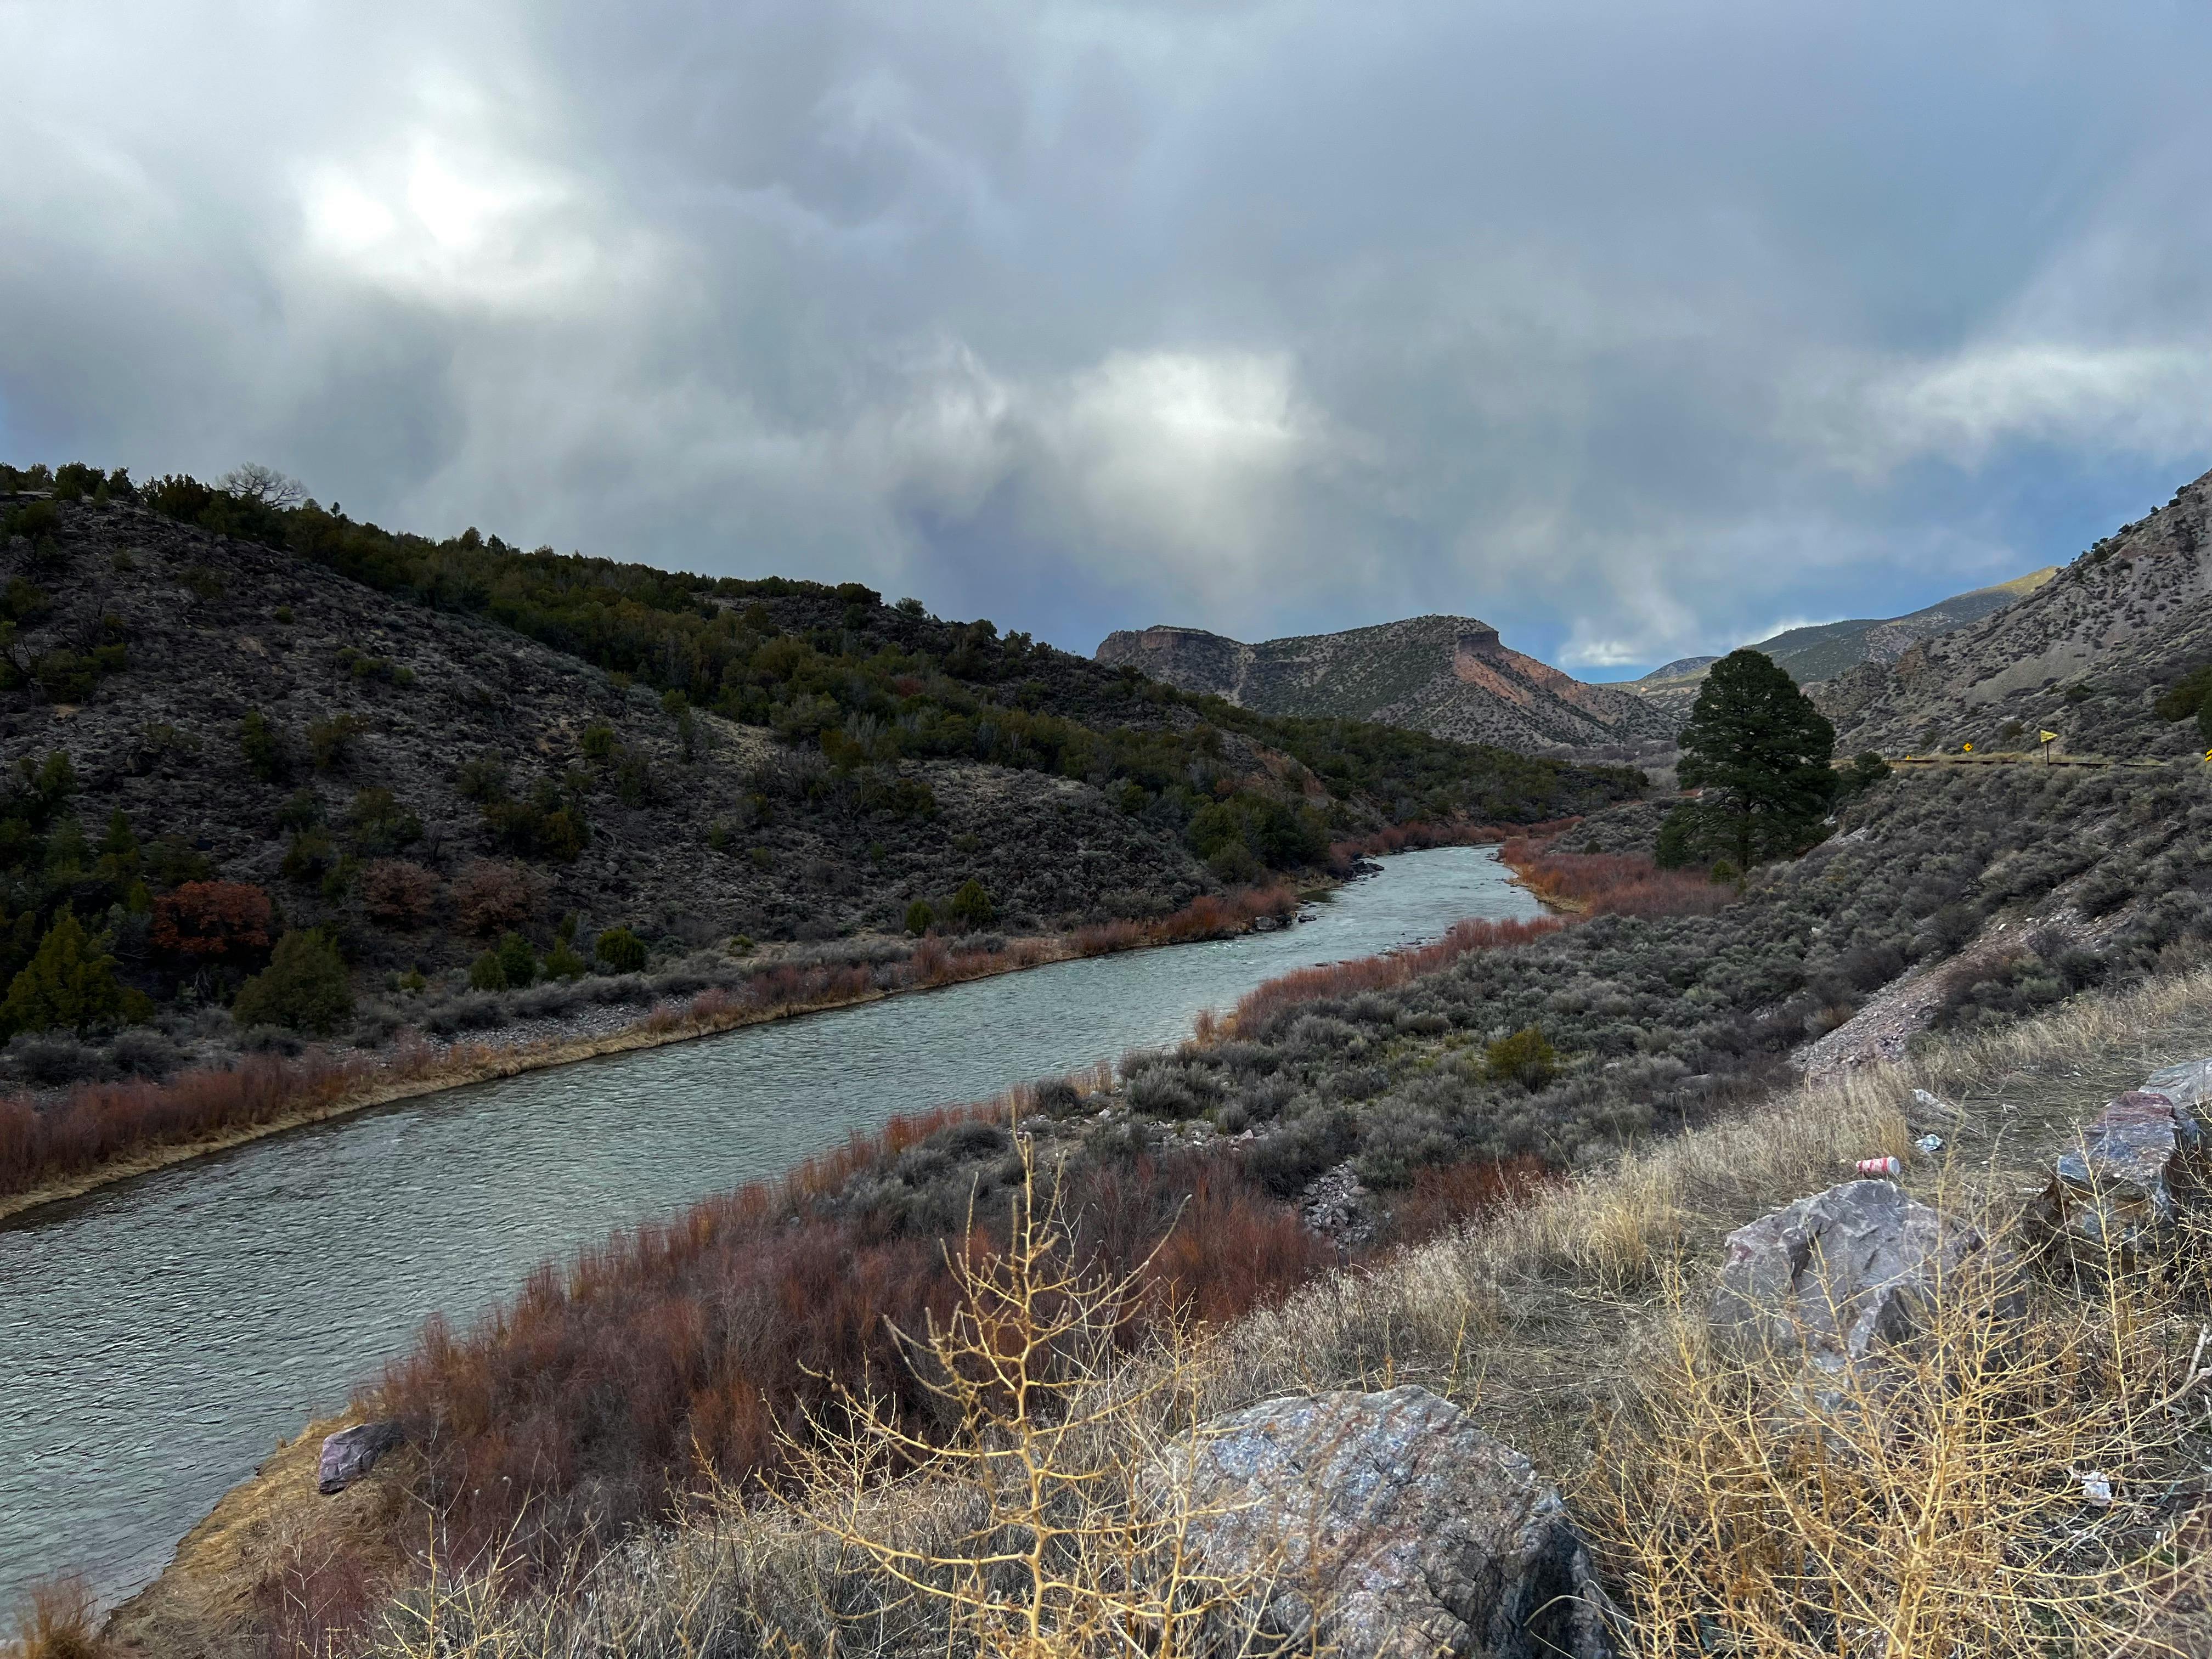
[(1635, 330)]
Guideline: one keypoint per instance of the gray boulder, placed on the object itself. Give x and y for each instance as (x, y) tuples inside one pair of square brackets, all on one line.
[(1840, 1277), (1405, 1529), (2139, 1161), (2186, 1085), (350, 1453)]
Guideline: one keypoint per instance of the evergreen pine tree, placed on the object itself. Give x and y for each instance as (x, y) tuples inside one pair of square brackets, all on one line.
[(304, 987), (1758, 750), (70, 982)]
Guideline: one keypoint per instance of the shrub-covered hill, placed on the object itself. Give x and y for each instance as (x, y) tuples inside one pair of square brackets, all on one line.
[(2008, 891), (2103, 654), (420, 747)]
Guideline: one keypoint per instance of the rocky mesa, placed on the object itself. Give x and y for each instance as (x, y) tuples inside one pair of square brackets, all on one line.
[(1451, 677)]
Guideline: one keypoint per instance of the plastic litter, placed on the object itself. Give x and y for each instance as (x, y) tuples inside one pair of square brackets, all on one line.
[(1880, 1166), (1929, 1144), (2096, 1486)]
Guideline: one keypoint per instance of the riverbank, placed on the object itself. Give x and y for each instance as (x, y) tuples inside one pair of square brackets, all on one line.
[(319, 1087), (1568, 1287)]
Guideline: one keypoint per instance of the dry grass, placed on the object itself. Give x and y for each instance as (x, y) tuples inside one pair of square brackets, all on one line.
[(1037, 1522), (1934, 1514), (1573, 1326), (56, 1621), (2001, 1486)]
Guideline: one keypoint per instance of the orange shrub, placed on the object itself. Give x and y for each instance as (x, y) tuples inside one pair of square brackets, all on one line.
[(1344, 979), (213, 921), (397, 893), (491, 898), (1611, 883)]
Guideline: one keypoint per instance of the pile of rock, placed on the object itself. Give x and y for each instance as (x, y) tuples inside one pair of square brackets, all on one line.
[(1378, 1525)]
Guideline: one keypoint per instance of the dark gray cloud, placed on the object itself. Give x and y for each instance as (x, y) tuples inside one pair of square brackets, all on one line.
[(1635, 330)]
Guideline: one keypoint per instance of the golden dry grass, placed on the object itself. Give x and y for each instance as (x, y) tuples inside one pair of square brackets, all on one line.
[(1944, 1514)]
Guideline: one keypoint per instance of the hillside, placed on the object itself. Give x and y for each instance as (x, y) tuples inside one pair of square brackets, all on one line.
[(1826, 649), (1448, 676), (2089, 654), (418, 748), (1597, 1075)]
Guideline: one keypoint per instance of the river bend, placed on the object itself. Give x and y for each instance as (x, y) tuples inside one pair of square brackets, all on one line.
[(158, 1336)]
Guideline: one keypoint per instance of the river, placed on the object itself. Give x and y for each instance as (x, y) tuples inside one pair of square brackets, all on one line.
[(157, 1336)]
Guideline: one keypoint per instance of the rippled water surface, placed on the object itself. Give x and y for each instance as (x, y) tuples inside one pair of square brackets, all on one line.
[(157, 1337)]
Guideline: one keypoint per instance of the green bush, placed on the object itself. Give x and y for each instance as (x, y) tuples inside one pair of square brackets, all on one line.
[(972, 907), (263, 746), (545, 826), (635, 784), (2190, 694), (920, 918), (300, 811), (310, 856), (562, 962), (621, 950), (1677, 847), (488, 973), (598, 742), (1526, 1058), (304, 988), (1233, 865), (482, 779), (331, 741), (70, 982), (518, 959)]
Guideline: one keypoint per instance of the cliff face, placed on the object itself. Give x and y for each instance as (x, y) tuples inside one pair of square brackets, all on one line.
[(1450, 676), (2085, 655)]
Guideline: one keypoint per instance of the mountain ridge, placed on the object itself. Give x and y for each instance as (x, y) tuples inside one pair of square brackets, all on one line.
[(2087, 654), (1451, 677), (1820, 651)]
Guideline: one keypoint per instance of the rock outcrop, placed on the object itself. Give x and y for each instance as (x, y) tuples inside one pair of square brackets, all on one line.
[(350, 1453), (1822, 650), (2139, 1161), (1450, 676), (1395, 1525), (1845, 1276)]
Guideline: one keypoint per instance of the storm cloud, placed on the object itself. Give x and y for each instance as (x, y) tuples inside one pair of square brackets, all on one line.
[(1635, 330)]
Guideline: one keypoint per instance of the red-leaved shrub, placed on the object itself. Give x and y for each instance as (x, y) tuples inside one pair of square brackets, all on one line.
[(213, 921), (1345, 979), (397, 893), (1611, 883), (492, 897)]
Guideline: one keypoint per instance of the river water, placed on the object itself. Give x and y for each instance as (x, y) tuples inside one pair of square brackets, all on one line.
[(157, 1336)]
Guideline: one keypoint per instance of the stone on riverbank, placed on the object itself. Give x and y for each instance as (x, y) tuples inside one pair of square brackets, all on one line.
[(350, 1453), (1410, 1530)]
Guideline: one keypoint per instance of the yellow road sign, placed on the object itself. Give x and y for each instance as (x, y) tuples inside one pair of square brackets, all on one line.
[(2046, 736)]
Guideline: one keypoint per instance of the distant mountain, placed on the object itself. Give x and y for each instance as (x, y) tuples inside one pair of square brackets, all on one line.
[(1449, 676), (2085, 654), (1826, 649)]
